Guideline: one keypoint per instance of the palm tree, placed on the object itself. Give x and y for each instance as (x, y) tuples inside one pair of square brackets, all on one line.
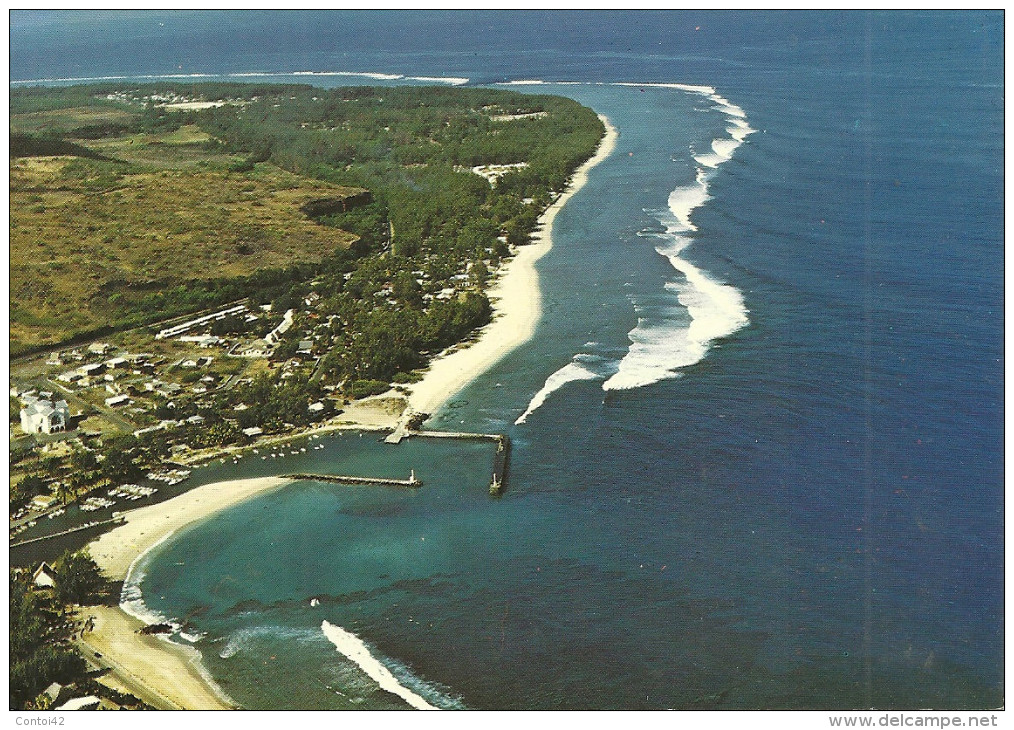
[(64, 492)]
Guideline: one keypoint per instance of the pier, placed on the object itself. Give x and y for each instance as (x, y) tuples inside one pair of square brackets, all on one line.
[(457, 435), (114, 521), (408, 426), (412, 481), (501, 457), (500, 461)]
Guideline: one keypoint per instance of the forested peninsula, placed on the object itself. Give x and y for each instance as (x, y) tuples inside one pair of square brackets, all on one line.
[(131, 204), (204, 266)]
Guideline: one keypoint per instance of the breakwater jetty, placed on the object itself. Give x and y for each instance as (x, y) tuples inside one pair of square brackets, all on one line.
[(408, 427), (500, 461), (412, 481), (80, 528), (501, 457)]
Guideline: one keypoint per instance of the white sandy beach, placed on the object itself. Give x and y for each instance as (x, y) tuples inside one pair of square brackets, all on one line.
[(163, 674), (166, 676), (517, 304), (115, 551)]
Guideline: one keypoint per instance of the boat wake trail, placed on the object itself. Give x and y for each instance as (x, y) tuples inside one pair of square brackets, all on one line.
[(354, 649), (661, 345), (582, 367)]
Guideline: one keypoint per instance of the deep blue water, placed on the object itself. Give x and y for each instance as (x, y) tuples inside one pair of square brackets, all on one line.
[(809, 516)]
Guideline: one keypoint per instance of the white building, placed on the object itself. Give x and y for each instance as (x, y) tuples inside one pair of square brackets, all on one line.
[(43, 416), (200, 321), (275, 335), (202, 340)]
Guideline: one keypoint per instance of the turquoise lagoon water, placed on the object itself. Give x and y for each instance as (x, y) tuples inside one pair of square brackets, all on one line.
[(760, 459)]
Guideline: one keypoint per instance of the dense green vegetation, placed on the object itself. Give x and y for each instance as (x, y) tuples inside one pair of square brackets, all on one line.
[(411, 147), (26, 145), (40, 627)]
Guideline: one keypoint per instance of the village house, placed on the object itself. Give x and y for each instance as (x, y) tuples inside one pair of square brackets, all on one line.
[(92, 369), (202, 340), (44, 577)]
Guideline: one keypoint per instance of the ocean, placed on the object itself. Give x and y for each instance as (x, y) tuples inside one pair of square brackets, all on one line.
[(757, 436)]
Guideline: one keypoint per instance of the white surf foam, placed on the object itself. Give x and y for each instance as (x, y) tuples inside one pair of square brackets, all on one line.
[(354, 649), (569, 373), (373, 75), (684, 201), (131, 597), (725, 147), (452, 80), (739, 130), (662, 344), (145, 77), (356, 74), (242, 639), (692, 88)]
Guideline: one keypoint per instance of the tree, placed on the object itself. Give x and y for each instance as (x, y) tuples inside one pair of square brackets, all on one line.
[(83, 460), (119, 466), (64, 492), (479, 274), (406, 289), (38, 656), (78, 579), (27, 488)]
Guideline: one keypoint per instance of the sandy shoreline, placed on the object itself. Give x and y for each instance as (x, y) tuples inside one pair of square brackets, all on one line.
[(517, 303), (164, 674), (115, 551), (168, 675)]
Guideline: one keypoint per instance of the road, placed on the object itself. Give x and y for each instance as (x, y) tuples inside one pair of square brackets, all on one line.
[(123, 681)]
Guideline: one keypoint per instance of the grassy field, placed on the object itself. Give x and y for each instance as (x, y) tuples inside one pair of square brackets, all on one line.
[(88, 237), (59, 121)]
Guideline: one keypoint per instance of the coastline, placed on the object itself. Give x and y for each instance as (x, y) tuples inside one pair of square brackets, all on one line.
[(163, 673), (166, 675), (169, 675), (517, 304)]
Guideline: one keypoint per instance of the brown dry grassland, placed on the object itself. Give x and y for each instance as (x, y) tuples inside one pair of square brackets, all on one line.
[(81, 230)]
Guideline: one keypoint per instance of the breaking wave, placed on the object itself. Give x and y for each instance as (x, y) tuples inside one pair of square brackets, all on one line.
[(662, 344), (243, 639), (354, 649), (132, 599), (372, 75)]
